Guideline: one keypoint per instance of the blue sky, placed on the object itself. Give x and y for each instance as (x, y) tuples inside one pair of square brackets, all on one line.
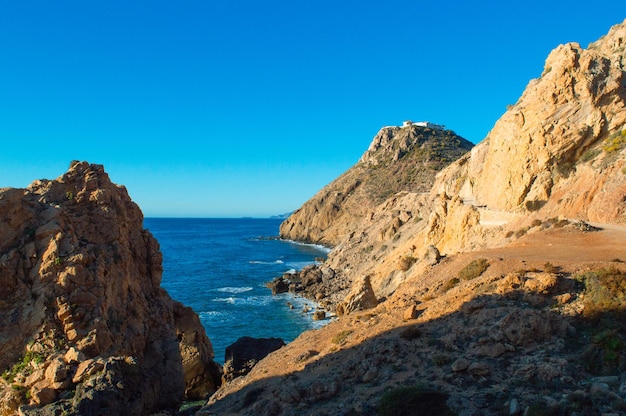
[(247, 108)]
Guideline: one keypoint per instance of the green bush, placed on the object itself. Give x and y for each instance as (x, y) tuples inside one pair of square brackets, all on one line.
[(414, 400), (22, 366), (474, 269)]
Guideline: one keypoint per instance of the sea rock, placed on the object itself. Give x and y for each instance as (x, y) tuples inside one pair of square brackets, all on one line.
[(242, 355), (200, 372), (80, 293)]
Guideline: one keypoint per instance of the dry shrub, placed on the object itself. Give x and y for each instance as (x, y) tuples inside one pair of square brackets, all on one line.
[(450, 284), (605, 291), (474, 269), (341, 337), (406, 262)]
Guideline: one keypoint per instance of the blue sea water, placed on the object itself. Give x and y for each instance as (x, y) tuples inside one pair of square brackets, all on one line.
[(219, 268)]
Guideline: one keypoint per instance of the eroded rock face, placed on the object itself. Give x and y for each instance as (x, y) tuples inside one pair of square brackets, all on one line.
[(398, 159), (561, 143), (80, 279), (245, 353)]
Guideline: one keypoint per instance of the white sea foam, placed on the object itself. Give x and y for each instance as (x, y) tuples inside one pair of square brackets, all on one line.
[(212, 314), (298, 265), (230, 300), (266, 262), (315, 246), (231, 289)]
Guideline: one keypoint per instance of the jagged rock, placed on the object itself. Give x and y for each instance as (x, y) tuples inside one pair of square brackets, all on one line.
[(432, 255), (460, 364), (361, 297), (411, 313), (200, 372), (319, 315), (80, 293), (245, 353)]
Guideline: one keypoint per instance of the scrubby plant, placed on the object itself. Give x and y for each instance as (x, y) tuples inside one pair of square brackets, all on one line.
[(341, 337), (450, 284), (473, 269), (536, 222), (414, 400), (23, 366), (605, 291), (590, 155), (521, 232), (614, 143), (550, 268), (406, 262)]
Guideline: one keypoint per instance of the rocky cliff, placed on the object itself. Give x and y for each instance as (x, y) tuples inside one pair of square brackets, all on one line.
[(398, 159), (85, 326), (494, 295)]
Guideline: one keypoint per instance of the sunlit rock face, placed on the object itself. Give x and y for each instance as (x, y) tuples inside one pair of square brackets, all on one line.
[(81, 303)]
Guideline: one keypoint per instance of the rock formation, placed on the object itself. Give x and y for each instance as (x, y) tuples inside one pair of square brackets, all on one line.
[(538, 329), (398, 159), (245, 353), (85, 326)]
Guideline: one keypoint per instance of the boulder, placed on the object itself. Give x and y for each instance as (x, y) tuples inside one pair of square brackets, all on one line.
[(361, 297)]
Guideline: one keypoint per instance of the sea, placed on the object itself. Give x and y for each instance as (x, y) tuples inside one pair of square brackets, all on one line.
[(219, 267)]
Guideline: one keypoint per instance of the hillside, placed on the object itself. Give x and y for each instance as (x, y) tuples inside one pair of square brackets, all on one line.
[(399, 159), (500, 290)]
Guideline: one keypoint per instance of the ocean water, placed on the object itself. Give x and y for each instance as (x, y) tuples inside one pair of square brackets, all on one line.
[(219, 268)]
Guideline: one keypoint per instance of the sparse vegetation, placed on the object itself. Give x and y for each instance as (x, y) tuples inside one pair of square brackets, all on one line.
[(521, 232), (406, 262), (615, 142), (22, 366), (414, 400), (341, 337), (605, 291), (450, 284), (550, 268), (474, 269), (590, 155)]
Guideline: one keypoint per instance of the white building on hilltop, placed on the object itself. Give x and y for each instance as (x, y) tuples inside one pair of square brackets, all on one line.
[(423, 124)]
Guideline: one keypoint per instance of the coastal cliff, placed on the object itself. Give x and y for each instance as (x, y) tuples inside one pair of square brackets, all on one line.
[(86, 327), (398, 159), (499, 290)]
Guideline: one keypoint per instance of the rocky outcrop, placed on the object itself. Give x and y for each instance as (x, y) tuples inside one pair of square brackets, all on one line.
[(360, 298), (84, 322), (561, 145), (245, 353), (398, 159)]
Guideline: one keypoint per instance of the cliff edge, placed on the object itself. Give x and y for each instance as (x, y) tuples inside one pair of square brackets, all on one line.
[(85, 327)]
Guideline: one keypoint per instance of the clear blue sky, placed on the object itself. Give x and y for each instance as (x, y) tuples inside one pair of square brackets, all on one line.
[(247, 108)]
